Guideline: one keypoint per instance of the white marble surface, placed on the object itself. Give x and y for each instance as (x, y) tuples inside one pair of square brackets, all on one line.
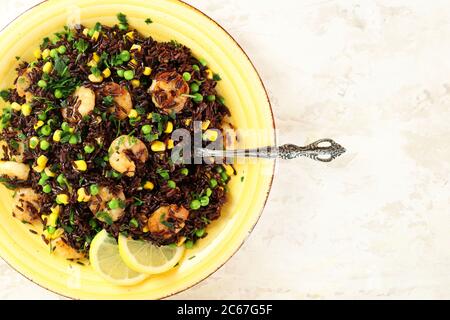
[(374, 75)]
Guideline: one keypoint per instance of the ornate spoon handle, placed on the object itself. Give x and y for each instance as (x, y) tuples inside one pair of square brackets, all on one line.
[(324, 150)]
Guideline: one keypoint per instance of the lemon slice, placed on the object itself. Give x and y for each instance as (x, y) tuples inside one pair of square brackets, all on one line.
[(142, 256), (105, 259)]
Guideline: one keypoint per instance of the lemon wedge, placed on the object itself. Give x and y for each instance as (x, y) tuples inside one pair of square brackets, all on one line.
[(105, 259), (142, 256)]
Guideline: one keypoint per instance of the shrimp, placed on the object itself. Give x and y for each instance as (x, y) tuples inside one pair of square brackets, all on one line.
[(16, 155), (27, 204), (14, 170), (167, 220), (62, 249), (121, 149), (23, 82), (169, 91), (99, 204), (84, 104), (122, 99)]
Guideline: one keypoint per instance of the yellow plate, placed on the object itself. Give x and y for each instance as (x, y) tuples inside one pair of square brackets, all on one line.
[(245, 96)]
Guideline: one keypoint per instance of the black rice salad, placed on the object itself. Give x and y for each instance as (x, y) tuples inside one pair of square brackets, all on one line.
[(86, 139)]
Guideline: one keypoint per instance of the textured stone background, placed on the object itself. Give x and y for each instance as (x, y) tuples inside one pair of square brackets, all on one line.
[(374, 75)]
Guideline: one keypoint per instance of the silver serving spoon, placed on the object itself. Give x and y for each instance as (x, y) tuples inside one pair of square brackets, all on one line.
[(323, 150)]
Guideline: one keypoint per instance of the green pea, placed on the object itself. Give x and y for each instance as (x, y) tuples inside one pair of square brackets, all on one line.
[(194, 87), (203, 62), (134, 223), (47, 188), (195, 204), (204, 201), (73, 139), (200, 232), (89, 149), (51, 229), (61, 179), (62, 49), (53, 53), (197, 97), (115, 174), (120, 72), (58, 94), (213, 183), (184, 171), (43, 179), (114, 204), (195, 67), (94, 190), (208, 192), (65, 127), (128, 75), (125, 55), (46, 130), (171, 184), (146, 129), (219, 169), (189, 244), (42, 116), (211, 97), (42, 84), (186, 76), (44, 145), (224, 176)]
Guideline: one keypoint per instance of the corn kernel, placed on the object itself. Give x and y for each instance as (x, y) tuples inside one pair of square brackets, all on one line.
[(57, 135), (15, 106), (47, 68), (133, 113), (53, 217), (149, 116), (95, 35), (55, 210), (49, 172), (55, 235), (106, 73), (92, 63), (42, 161), (38, 169), (209, 74), (130, 35), (95, 79), (96, 57), (147, 71), (145, 229), (158, 146), (133, 62), (135, 83), (62, 199), (82, 195), (170, 144), (38, 124), (44, 217), (149, 185), (210, 135), (45, 54), (80, 165), (205, 124), (187, 121), (228, 169), (26, 109), (169, 127), (85, 31), (136, 47), (37, 53), (71, 130)]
